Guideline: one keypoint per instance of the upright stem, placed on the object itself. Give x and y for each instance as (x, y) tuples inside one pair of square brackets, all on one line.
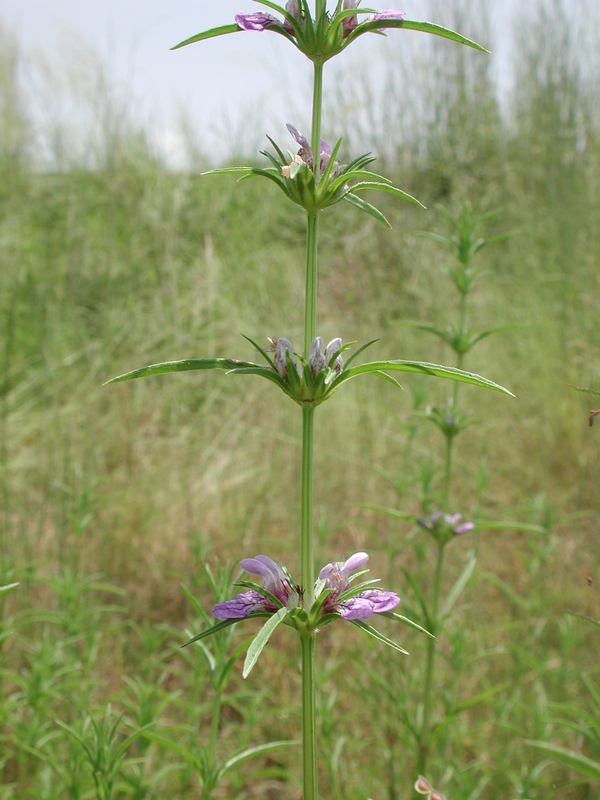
[(307, 568), (315, 136), (310, 303), (309, 733)]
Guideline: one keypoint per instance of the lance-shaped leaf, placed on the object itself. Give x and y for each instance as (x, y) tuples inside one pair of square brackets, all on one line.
[(413, 25), (458, 587), (224, 624), (386, 187), (249, 753), (569, 758), (210, 34), (364, 626), (261, 639), (408, 622), (424, 368), (186, 365), (366, 207)]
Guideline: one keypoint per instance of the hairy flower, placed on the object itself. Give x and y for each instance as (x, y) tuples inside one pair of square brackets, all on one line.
[(362, 605), (275, 582)]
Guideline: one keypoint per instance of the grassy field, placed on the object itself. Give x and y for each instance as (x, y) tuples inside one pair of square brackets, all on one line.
[(113, 500)]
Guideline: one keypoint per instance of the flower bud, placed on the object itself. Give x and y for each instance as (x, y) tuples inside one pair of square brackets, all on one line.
[(333, 346), (316, 358), (280, 363)]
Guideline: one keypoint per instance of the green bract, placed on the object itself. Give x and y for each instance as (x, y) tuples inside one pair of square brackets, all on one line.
[(305, 385), (296, 179)]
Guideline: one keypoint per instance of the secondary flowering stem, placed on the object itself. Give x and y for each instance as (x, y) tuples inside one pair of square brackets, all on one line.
[(431, 651)]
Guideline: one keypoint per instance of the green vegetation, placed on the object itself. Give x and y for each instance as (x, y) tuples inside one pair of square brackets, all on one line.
[(112, 498)]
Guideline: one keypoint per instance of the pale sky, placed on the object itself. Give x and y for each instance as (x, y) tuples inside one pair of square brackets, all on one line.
[(225, 85)]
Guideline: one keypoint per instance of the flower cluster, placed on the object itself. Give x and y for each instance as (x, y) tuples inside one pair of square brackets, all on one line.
[(333, 592), (444, 527), (319, 38), (308, 380)]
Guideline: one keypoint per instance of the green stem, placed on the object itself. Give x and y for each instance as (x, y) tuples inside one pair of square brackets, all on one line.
[(431, 650), (310, 302), (214, 731), (315, 136), (309, 733), (307, 568)]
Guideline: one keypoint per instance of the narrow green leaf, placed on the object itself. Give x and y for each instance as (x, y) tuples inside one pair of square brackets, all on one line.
[(209, 632), (359, 351), (391, 512), (585, 766), (585, 391), (458, 587), (186, 365), (366, 207), (260, 350), (250, 752), (508, 525), (210, 34), (385, 187), (261, 639), (413, 25), (183, 752), (277, 150), (408, 622), (227, 171), (424, 368), (384, 376), (377, 635)]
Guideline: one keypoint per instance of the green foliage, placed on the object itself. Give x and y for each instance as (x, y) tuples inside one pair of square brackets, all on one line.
[(131, 263)]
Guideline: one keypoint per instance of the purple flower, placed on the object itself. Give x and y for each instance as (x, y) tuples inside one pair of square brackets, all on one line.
[(274, 581), (306, 153), (386, 14), (350, 23), (258, 21), (445, 526), (364, 604)]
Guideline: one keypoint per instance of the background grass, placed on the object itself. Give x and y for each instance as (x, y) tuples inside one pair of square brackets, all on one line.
[(106, 269)]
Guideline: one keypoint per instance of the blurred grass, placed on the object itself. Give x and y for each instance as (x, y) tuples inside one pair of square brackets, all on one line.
[(106, 269)]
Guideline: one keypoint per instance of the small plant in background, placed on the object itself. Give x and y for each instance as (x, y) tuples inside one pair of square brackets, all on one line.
[(311, 376)]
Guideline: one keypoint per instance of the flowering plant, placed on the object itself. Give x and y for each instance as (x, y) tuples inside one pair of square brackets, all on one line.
[(314, 179)]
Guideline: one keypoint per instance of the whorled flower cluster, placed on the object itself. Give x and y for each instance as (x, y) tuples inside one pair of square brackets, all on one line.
[(322, 38), (333, 588)]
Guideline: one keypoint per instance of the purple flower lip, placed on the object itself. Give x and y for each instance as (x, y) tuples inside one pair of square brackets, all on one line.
[(362, 605), (259, 21)]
